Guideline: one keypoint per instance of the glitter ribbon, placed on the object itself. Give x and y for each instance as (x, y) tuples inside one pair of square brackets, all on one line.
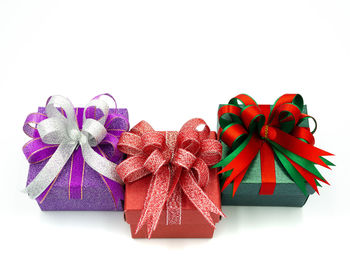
[(178, 170), (248, 128), (59, 134)]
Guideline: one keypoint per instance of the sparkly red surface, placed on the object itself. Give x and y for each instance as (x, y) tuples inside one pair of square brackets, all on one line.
[(193, 223)]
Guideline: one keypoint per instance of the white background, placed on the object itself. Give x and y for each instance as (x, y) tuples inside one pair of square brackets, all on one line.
[(169, 61)]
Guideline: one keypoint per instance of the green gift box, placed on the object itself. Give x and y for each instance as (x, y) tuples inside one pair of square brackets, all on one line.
[(285, 193)]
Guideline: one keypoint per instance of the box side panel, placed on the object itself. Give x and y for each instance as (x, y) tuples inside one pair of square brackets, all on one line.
[(265, 200), (176, 231), (96, 194)]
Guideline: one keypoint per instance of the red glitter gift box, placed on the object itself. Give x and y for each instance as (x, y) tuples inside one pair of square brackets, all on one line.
[(171, 191)]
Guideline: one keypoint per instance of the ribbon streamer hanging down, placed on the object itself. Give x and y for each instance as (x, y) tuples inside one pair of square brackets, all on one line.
[(248, 128), (57, 135), (175, 172)]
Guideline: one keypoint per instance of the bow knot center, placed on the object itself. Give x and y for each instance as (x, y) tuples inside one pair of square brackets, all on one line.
[(74, 134), (268, 132), (265, 131)]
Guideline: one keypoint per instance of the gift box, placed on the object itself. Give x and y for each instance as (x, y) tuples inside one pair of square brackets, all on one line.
[(170, 189), (273, 172), (83, 181)]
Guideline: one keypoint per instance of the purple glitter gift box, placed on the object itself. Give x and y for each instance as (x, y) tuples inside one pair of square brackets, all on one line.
[(77, 186)]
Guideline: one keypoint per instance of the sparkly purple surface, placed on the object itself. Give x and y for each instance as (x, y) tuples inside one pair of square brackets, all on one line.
[(96, 195)]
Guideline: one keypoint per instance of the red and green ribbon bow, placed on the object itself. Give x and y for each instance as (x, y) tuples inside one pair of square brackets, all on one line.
[(248, 128)]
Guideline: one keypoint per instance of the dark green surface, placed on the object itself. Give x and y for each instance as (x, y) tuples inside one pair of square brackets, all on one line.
[(286, 192)]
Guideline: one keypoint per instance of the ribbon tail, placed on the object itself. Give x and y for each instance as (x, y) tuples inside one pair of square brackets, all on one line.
[(309, 177), (306, 164), (198, 198), (155, 200), (53, 167), (237, 181), (329, 163), (242, 160), (292, 171), (98, 163), (298, 147)]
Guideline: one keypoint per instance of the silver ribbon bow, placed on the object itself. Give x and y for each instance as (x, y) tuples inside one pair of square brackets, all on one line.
[(64, 131)]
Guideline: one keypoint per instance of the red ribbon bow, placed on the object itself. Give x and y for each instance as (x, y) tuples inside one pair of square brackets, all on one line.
[(177, 162)]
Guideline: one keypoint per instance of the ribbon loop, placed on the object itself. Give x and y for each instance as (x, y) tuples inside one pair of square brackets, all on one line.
[(252, 117), (132, 169), (286, 117), (130, 143), (53, 130), (152, 141), (34, 119), (189, 140), (244, 99), (201, 172), (184, 158), (233, 134), (211, 151), (229, 114), (141, 128), (100, 105), (198, 125), (94, 131), (66, 113)]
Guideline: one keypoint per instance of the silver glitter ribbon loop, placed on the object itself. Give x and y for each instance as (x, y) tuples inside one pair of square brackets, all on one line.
[(61, 128)]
